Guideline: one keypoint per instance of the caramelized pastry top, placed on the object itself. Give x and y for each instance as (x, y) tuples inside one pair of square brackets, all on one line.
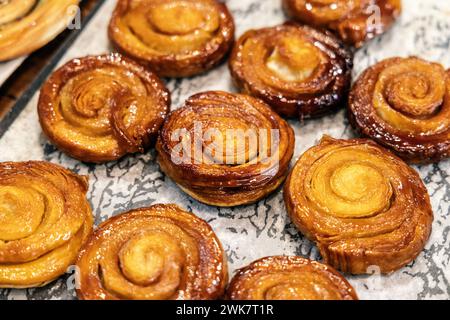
[(175, 38), (404, 104), (27, 25), (225, 149), (364, 207), (355, 21), (289, 278), (297, 70), (44, 219), (155, 253), (99, 108)]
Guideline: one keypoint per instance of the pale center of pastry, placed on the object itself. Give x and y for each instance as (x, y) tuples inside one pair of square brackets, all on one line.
[(294, 60), (14, 9), (21, 212), (351, 184), (231, 141), (177, 18)]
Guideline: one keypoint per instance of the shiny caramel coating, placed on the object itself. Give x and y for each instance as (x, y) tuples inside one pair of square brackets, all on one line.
[(247, 168), (404, 104), (354, 21)]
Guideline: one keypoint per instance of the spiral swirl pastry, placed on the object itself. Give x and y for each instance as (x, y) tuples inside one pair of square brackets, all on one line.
[(365, 208), (289, 278), (297, 70), (355, 21), (99, 108), (155, 253), (174, 38), (404, 104), (225, 149), (27, 25), (44, 220)]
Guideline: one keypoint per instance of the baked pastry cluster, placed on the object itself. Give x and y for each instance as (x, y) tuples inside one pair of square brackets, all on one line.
[(355, 21), (27, 25), (298, 70), (160, 252), (99, 108), (289, 278), (404, 104), (44, 220), (174, 38), (363, 206), (225, 149)]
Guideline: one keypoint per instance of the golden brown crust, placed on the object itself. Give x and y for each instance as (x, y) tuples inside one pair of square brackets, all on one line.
[(289, 278), (44, 220), (355, 21), (100, 108), (160, 252), (297, 70), (365, 208), (152, 33), (404, 104), (197, 150), (27, 25)]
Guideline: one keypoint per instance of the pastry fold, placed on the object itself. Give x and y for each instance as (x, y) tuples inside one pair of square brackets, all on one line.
[(27, 25), (355, 21), (404, 104), (174, 38), (225, 149), (299, 71), (155, 253), (44, 220), (365, 208), (289, 278), (100, 108)]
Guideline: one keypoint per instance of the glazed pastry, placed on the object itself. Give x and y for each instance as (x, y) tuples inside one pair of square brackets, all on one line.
[(225, 149), (355, 21), (289, 278), (299, 71), (100, 108), (174, 38), (155, 253), (365, 208), (27, 25), (404, 104), (44, 220)]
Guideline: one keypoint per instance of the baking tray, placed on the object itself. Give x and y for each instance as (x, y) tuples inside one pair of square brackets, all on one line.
[(251, 232)]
